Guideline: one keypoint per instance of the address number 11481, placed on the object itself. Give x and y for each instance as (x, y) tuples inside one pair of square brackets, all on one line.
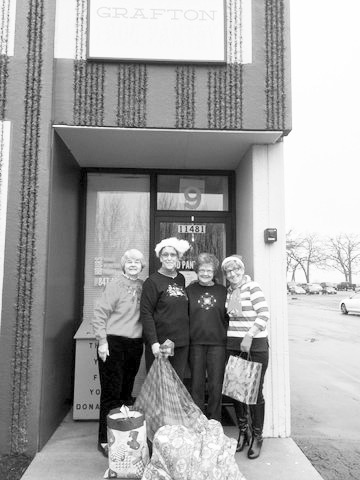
[(192, 228)]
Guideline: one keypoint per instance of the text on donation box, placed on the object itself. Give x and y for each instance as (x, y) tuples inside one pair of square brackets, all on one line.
[(87, 384)]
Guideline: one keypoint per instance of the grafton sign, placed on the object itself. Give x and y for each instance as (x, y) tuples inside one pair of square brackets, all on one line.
[(157, 30)]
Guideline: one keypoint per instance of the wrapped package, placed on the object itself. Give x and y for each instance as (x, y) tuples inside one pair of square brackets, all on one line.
[(202, 452)]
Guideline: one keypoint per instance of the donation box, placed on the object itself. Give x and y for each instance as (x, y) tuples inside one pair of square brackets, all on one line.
[(86, 381)]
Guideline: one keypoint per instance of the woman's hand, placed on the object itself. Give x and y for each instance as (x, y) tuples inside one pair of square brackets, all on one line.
[(103, 351), (155, 347), (246, 343)]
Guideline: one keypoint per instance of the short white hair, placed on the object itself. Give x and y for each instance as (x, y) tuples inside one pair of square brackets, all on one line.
[(132, 254), (181, 246)]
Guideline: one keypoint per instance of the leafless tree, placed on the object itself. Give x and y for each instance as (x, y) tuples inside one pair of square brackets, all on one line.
[(303, 251), (343, 254), (292, 260)]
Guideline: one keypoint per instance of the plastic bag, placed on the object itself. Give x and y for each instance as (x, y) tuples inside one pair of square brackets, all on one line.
[(128, 449), (164, 399)]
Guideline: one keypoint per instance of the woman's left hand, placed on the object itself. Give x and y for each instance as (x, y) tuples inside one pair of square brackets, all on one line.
[(103, 351), (246, 343)]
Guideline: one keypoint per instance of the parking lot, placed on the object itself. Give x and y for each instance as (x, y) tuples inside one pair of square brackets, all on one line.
[(324, 348)]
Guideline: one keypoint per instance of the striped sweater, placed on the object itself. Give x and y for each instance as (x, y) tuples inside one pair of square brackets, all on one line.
[(248, 310)]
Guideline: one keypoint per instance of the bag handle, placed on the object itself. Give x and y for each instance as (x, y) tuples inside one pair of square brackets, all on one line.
[(248, 356)]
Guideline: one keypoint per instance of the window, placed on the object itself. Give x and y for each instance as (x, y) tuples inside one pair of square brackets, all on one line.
[(192, 193)]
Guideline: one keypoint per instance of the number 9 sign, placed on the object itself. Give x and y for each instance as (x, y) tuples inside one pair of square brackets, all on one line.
[(192, 197)]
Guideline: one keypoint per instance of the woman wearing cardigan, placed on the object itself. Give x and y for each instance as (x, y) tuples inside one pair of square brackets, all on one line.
[(248, 318)]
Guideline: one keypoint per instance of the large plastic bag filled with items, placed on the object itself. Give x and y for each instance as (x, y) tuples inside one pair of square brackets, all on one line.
[(203, 452), (128, 449), (164, 399)]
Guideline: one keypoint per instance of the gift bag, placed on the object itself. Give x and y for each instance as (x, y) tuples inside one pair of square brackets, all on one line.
[(164, 399), (128, 449), (242, 379)]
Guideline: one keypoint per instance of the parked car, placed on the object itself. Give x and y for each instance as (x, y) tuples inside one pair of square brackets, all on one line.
[(294, 288), (346, 286), (329, 291), (350, 304), (312, 288), (299, 290)]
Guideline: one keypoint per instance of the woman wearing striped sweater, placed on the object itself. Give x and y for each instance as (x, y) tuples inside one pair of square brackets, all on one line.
[(248, 318)]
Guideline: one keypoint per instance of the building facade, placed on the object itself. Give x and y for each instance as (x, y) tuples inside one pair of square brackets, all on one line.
[(104, 147)]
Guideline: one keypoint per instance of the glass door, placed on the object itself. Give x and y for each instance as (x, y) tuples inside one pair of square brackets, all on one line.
[(203, 234)]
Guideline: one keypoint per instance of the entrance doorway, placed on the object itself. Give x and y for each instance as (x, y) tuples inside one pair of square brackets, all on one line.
[(137, 209)]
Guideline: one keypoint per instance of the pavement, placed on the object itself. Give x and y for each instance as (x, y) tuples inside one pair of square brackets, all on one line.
[(71, 454)]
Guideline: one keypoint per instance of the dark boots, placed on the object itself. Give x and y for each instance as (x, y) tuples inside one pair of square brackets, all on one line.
[(244, 430), (244, 437), (250, 436), (257, 420)]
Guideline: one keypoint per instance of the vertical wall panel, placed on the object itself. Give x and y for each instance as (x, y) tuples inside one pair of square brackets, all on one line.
[(131, 95), (185, 97), (7, 20), (275, 66), (88, 77), (270, 271), (4, 172), (27, 233)]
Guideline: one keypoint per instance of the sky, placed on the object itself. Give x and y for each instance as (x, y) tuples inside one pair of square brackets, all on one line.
[(322, 158)]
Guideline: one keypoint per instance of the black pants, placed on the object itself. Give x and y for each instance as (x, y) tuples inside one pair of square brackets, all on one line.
[(179, 361), (117, 375), (207, 361)]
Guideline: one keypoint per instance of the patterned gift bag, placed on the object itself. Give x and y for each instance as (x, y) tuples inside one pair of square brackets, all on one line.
[(128, 450), (242, 379)]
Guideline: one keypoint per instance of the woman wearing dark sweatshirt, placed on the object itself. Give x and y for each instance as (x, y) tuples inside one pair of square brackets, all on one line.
[(208, 327), (164, 306)]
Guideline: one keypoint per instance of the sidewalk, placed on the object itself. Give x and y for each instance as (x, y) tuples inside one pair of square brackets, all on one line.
[(71, 454)]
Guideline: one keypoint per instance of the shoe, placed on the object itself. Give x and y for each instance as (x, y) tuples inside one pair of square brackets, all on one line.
[(104, 449), (255, 447), (244, 438), (257, 419), (241, 411)]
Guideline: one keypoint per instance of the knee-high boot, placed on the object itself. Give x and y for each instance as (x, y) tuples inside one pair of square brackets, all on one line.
[(244, 438), (257, 419)]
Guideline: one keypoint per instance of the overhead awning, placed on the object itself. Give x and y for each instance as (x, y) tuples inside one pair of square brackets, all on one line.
[(111, 147)]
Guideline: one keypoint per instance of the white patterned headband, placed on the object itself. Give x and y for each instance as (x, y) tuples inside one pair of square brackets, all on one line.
[(233, 258)]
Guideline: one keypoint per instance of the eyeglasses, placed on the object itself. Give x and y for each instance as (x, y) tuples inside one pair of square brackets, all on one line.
[(234, 270), (171, 255), (201, 270)]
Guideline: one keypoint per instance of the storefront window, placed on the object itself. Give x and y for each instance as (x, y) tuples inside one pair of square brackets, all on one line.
[(117, 219), (192, 193)]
